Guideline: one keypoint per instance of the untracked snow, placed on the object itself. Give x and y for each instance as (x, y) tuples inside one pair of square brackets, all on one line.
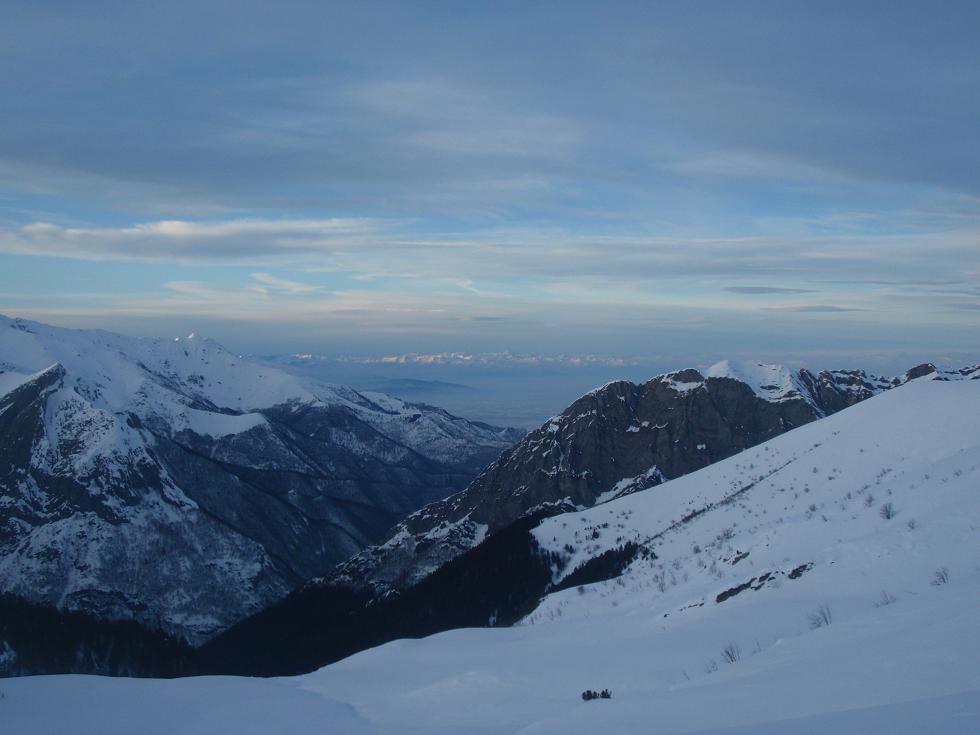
[(826, 581)]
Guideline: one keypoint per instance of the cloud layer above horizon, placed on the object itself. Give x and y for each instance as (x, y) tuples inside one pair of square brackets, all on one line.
[(638, 176)]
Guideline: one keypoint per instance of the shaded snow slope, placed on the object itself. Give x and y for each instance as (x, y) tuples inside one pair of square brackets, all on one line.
[(837, 615), (174, 482)]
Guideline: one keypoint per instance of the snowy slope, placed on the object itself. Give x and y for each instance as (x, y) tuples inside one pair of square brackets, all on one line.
[(172, 481), (739, 556)]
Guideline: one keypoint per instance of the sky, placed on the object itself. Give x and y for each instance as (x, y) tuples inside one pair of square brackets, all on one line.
[(681, 181)]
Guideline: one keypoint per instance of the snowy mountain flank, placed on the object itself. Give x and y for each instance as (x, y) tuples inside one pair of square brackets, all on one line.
[(824, 580), (618, 439), (174, 483)]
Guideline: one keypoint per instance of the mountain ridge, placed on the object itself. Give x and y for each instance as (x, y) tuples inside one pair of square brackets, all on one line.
[(619, 438), (233, 481)]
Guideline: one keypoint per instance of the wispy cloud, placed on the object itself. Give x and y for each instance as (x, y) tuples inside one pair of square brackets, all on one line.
[(241, 240), (812, 309), (538, 265), (386, 247), (766, 290), (283, 284)]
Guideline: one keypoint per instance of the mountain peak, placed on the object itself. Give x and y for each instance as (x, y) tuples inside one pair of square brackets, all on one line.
[(768, 381)]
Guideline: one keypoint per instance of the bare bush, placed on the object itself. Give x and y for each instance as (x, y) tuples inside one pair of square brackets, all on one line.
[(588, 695), (940, 577), (885, 599), (732, 653), (887, 511), (821, 617)]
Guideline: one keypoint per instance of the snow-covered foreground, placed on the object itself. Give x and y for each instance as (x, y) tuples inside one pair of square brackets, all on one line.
[(844, 553)]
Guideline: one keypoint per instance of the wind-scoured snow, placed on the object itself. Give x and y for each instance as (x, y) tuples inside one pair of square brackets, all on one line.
[(824, 581), (10, 379), (770, 382)]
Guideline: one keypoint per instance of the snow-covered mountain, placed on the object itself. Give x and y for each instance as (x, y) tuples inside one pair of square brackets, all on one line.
[(825, 580), (171, 481), (618, 439)]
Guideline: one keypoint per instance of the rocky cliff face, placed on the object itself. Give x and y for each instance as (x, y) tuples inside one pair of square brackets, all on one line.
[(174, 483), (616, 440)]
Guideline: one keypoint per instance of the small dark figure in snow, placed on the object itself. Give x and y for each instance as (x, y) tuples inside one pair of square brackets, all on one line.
[(606, 694)]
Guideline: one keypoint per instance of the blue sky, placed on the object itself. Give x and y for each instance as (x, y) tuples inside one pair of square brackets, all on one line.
[(790, 181)]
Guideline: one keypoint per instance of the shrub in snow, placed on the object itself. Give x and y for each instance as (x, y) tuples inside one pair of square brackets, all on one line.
[(732, 653), (941, 577), (589, 695), (887, 511), (885, 599), (821, 617), (711, 666)]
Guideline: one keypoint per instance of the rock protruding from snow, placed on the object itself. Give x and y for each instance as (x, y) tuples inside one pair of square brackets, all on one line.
[(615, 440)]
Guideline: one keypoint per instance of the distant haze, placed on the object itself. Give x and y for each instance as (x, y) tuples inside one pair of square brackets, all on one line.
[(501, 389)]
